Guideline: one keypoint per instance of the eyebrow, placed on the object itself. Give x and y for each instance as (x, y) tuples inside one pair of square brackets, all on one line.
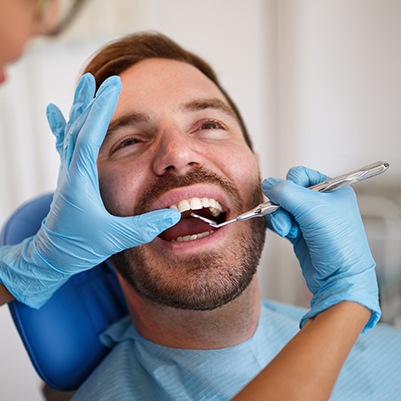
[(192, 105), (209, 103), (127, 120)]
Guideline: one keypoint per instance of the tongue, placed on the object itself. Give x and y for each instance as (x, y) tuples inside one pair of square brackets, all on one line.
[(186, 226)]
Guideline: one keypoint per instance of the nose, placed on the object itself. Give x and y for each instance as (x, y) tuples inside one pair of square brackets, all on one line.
[(175, 152)]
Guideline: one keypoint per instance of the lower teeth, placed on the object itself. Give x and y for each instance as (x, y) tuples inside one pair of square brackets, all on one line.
[(193, 237)]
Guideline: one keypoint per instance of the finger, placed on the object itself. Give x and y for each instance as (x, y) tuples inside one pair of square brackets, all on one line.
[(280, 222), (287, 194), (87, 135), (83, 97), (101, 111), (141, 229), (84, 94), (57, 125), (305, 177)]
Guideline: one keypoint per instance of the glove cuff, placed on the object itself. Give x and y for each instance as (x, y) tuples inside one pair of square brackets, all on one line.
[(27, 276), (362, 289)]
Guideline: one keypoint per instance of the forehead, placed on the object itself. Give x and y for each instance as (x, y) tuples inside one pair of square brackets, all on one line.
[(165, 82)]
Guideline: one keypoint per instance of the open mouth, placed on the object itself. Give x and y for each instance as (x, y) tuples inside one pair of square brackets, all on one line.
[(190, 228)]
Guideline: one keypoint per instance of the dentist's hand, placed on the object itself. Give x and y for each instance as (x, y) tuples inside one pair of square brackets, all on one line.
[(329, 241), (78, 233)]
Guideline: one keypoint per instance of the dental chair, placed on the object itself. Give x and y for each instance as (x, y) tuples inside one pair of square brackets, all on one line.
[(61, 337)]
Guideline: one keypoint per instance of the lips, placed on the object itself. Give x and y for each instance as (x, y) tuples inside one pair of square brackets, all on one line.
[(189, 228)]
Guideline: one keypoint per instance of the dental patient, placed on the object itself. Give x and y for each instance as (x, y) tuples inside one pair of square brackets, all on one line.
[(198, 328)]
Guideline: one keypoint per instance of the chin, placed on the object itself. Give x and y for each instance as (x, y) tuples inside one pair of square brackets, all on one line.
[(194, 279)]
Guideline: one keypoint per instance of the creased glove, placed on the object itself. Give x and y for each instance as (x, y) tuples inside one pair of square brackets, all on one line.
[(78, 233), (329, 240)]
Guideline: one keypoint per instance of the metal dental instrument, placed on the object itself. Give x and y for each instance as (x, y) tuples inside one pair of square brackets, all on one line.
[(332, 184)]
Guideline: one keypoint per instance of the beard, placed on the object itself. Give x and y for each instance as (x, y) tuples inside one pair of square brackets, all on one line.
[(203, 281)]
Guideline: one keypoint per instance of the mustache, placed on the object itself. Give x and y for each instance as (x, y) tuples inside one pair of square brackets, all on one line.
[(172, 181)]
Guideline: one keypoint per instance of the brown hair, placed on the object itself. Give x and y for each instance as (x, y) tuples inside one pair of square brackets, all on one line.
[(123, 53)]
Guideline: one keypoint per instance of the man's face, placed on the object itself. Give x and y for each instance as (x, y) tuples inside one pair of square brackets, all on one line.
[(175, 142)]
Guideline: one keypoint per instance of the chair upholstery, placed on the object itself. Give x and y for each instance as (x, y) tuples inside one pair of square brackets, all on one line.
[(61, 337)]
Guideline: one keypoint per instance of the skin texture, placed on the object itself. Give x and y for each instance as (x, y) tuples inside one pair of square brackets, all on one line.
[(17, 26)]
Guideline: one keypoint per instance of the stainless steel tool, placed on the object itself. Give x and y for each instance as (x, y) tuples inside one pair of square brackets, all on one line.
[(332, 184)]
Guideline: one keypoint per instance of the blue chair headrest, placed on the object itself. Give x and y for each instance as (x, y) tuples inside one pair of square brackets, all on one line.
[(61, 337)]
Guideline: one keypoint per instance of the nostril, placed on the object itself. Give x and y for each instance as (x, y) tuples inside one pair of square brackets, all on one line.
[(177, 159), (180, 170)]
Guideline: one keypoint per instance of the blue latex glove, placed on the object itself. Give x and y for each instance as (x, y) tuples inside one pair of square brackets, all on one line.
[(78, 233), (329, 241)]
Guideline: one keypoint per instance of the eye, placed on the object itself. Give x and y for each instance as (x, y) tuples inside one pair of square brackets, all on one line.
[(211, 124), (210, 129), (126, 142)]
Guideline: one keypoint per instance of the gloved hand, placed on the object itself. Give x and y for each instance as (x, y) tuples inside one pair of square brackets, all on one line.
[(329, 240), (78, 233)]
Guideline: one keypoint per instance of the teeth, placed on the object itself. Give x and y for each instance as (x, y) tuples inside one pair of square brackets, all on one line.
[(195, 204), (214, 211), (183, 205), (205, 202), (198, 203), (193, 237)]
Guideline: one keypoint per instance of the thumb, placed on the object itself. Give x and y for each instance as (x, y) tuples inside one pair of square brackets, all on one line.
[(141, 229)]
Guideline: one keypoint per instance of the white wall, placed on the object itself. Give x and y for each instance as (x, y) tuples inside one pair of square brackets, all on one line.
[(340, 83), (339, 73), (318, 82)]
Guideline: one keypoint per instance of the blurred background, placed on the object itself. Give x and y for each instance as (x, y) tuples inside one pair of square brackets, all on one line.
[(318, 83)]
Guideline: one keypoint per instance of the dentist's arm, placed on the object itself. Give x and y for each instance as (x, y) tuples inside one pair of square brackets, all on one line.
[(78, 233), (5, 296), (330, 243), (308, 366)]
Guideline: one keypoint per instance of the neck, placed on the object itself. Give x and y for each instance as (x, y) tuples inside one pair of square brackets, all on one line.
[(223, 327)]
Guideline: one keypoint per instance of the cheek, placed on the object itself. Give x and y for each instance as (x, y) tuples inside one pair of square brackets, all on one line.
[(118, 190), (241, 166)]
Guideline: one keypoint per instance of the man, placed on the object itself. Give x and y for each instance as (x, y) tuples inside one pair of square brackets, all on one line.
[(198, 328)]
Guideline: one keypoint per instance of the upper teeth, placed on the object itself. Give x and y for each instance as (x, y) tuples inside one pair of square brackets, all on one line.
[(198, 203)]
